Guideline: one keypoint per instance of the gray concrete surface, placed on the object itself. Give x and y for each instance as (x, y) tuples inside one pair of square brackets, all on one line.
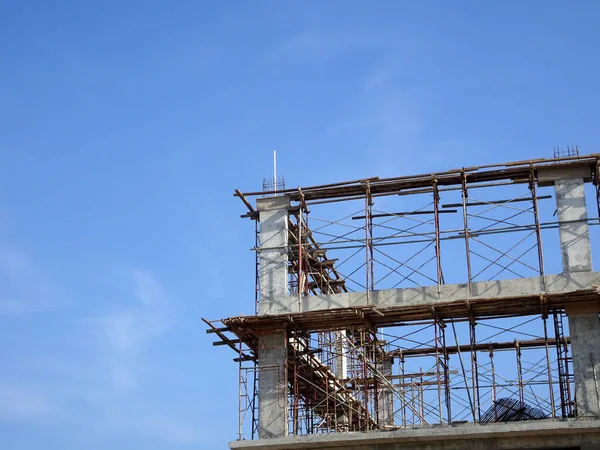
[(514, 435), (272, 382), (386, 398), (574, 231), (585, 345), (272, 388), (429, 295), (273, 213), (584, 325)]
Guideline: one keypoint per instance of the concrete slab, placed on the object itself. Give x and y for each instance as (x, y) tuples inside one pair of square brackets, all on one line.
[(515, 435)]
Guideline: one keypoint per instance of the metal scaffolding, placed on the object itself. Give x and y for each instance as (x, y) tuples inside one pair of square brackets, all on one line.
[(477, 359)]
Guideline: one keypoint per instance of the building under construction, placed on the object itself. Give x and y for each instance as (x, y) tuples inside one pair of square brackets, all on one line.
[(450, 310)]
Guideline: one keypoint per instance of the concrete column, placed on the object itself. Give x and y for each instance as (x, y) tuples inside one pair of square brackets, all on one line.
[(574, 232), (386, 397), (272, 387), (273, 214), (341, 352), (584, 326), (274, 299)]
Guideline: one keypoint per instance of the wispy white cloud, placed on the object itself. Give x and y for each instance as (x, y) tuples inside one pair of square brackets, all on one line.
[(166, 428), (21, 403), (24, 288), (122, 377), (392, 111), (129, 328), (159, 426), (128, 333), (309, 43), (105, 383), (314, 44)]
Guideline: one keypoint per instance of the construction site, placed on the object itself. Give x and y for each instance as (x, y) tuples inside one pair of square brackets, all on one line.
[(449, 310)]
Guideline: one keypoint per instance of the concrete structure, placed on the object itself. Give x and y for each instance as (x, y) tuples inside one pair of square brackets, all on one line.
[(565, 435), (584, 324), (272, 377), (273, 370)]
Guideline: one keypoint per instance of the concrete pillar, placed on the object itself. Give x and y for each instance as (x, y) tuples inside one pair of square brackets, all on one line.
[(274, 299), (584, 326), (273, 214), (272, 387), (341, 352), (386, 397), (574, 232)]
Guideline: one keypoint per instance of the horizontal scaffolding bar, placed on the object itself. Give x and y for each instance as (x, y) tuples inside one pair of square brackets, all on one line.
[(248, 328), (496, 202), (518, 172), (407, 213), (452, 349)]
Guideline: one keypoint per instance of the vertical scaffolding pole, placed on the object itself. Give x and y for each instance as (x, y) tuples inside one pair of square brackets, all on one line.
[(421, 397), (538, 231), (257, 268), (403, 372), (364, 377), (254, 405), (465, 196), (295, 407), (493, 374), (571, 406), (447, 396), (375, 378), (550, 386), (474, 368), (464, 373), (437, 369), (300, 258), (438, 254), (240, 395), (412, 399), (369, 286), (519, 372), (596, 182)]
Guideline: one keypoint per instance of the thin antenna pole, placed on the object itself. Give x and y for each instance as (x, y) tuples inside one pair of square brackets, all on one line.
[(275, 171)]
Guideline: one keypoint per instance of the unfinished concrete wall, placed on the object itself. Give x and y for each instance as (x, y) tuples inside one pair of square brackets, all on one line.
[(584, 325)]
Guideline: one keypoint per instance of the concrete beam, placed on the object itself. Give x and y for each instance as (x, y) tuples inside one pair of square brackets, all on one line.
[(429, 295), (547, 176)]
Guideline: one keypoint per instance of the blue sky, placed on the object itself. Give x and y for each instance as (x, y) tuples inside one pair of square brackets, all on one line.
[(125, 126)]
